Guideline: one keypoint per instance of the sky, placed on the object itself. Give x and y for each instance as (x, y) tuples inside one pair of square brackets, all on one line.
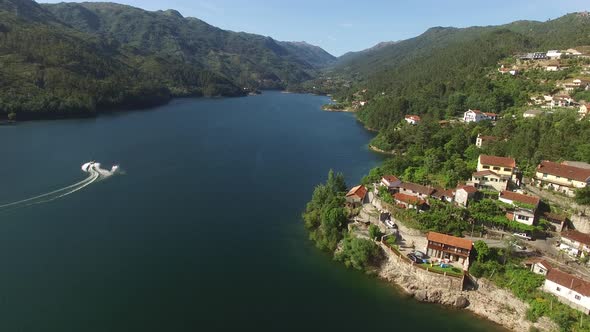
[(343, 26)]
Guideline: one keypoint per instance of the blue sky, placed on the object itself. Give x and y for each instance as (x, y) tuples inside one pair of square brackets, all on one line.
[(342, 26)]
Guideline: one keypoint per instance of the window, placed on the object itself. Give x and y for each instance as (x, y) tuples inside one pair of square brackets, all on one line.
[(507, 169), (558, 289), (578, 297), (486, 167), (544, 175), (496, 168), (558, 177)]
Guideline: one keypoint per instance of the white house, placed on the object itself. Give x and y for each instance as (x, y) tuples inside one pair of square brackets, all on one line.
[(575, 243), (413, 119), (477, 116), (553, 54), (463, 194), (541, 267), (569, 289), (489, 180)]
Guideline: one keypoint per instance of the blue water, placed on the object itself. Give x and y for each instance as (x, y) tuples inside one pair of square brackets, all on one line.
[(201, 233)]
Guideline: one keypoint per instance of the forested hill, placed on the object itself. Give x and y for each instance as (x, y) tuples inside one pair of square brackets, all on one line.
[(63, 59), (445, 70)]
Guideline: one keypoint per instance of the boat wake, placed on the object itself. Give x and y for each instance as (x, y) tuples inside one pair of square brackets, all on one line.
[(95, 174)]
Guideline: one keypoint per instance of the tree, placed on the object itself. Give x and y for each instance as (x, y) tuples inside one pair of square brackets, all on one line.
[(374, 231), (583, 196), (482, 250)]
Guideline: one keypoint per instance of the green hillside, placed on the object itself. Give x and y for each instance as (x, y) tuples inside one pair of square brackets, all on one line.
[(73, 59)]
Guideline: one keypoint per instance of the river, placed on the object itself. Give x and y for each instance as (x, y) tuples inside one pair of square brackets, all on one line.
[(201, 231)]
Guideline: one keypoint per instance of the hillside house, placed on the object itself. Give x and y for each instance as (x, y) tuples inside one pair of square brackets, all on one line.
[(554, 54), (534, 56), (357, 196), (447, 195), (489, 180), (391, 182), (482, 140), (417, 190), (562, 101), (525, 207), (409, 201), (413, 119), (477, 116), (558, 222), (463, 195), (449, 247), (538, 265), (569, 289), (575, 243), (503, 166), (560, 177)]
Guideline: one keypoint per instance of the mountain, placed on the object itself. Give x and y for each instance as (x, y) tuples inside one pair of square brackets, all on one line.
[(247, 59), (446, 70), (63, 59)]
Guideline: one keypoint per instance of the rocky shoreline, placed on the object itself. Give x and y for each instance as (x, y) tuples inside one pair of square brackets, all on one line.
[(487, 301)]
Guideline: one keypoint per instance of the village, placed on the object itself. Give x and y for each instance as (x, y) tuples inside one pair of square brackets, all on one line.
[(553, 244), (560, 252)]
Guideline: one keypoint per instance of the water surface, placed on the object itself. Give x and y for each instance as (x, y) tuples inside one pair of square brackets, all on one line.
[(202, 233)]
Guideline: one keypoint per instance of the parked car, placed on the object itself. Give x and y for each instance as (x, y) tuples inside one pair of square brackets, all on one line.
[(389, 223), (414, 259), (419, 254), (523, 236)]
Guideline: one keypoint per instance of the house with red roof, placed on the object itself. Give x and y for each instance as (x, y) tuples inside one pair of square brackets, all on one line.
[(413, 119), (417, 190), (561, 177), (477, 116), (409, 202), (488, 179), (390, 181), (483, 140), (503, 166), (449, 247), (463, 194), (569, 289), (357, 196), (576, 244), (525, 207)]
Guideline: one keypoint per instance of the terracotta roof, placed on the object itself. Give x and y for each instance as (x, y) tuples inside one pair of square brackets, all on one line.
[(450, 240), (468, 189), (569, 281), (439, 193), (408, 199), (358, 191), (537, 260), (490, 114), (417, 188), (497, 161), (390, 178), (475, 111), (576, 236), (413, 117), (564, 171), (485, 172), (516, 197)]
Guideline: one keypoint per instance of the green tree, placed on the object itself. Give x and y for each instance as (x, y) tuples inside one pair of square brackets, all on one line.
[(482, 250)]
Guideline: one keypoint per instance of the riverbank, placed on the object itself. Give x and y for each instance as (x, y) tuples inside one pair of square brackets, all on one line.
[(487, 301), (376, 149)]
